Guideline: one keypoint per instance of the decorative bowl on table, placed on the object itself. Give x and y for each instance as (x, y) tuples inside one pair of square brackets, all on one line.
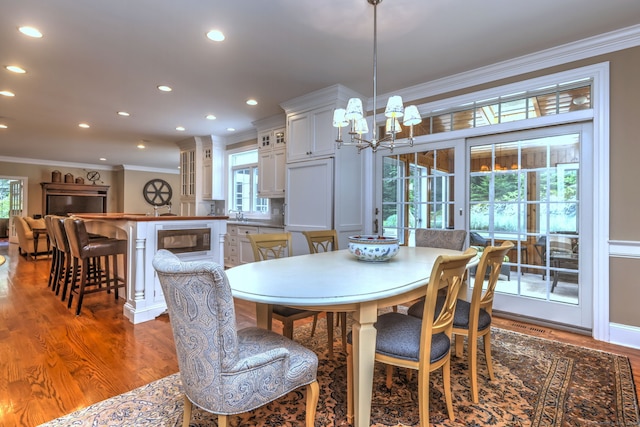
[(373, 248)]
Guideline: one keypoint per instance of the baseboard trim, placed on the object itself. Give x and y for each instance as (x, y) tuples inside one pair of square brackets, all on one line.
[(625, 335)]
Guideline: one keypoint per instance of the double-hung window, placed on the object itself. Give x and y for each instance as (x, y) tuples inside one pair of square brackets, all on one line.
[(244, 184)]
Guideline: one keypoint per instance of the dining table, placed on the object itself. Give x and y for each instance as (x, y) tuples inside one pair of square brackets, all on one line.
[(337, 281)]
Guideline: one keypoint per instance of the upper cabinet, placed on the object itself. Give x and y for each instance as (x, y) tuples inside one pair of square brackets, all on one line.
[(272, 142), (201, 173), (311, 134), (310, 130)]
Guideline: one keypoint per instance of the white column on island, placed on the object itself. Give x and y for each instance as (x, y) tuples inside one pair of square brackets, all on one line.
[(138, 293)]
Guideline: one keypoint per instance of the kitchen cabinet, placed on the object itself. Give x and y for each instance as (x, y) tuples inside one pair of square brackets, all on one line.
[(271, 163), (325, 186), (237, 246), (272, 141), (201, 174), (311, 134)]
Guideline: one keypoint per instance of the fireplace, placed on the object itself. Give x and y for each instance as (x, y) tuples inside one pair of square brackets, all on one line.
[(62, 199)]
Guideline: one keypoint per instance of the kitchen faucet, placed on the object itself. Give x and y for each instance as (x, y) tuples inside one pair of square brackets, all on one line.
[(239, 214), (155, 208)]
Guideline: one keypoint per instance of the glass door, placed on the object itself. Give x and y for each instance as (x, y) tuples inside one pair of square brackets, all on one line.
[(419, 190), (527, 187)]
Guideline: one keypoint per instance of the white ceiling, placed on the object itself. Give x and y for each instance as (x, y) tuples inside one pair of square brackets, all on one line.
[(101, 56)]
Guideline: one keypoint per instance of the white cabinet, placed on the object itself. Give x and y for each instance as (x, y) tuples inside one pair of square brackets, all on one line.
[(325, 186), (271, 163), (245, 254), (207, 172), (237, 246), (311, 134), (231, 250), (201, 173)]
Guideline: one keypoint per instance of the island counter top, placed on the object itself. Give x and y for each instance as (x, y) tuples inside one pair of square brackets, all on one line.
[(144, 217), (144, 297)]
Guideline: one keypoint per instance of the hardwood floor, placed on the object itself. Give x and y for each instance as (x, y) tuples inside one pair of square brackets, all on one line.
[(53, 362)]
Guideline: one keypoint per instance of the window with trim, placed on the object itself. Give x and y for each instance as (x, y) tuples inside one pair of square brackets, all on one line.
[(244, 184)]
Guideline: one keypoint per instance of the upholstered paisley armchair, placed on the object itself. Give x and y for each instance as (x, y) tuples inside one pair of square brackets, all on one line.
[(224, 370)]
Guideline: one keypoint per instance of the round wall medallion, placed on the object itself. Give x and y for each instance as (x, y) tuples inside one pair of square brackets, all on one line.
[(157, 192)]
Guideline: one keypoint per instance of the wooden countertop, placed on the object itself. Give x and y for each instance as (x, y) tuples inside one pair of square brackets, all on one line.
[(144, 218)]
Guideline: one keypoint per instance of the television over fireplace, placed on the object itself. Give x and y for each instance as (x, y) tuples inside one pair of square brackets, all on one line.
[(62, 205), (63, 199)]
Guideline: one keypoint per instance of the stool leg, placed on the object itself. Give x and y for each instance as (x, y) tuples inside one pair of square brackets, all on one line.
[(74, 278), (83, 282), (116, 285)]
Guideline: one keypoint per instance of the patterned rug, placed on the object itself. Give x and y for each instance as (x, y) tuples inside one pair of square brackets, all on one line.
[(538, 383)]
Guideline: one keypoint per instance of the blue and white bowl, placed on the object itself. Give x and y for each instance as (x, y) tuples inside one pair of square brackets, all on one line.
[(373, 248)]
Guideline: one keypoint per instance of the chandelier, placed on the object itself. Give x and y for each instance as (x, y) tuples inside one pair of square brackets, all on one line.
[(353, 116)]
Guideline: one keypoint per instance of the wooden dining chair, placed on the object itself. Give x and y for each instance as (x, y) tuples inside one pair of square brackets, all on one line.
[(272, 246), (325, 241), (421, 344), (473, 319)]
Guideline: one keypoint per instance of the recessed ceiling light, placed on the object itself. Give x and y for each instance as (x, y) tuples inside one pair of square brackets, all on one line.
[(123, 114), (215, 35), (84, 126), (210, 117), (15, 69), (231, 129), (180, 128), (141, 146), (165, 88), (6, 93), (3, 126), (102, 159), (252, 102), (30, 31)]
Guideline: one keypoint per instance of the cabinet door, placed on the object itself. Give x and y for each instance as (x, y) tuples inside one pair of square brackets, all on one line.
[(244, 246), (279, 157), (207, 174), (279, 138), (299, 131), (266, 173), (264, 140), (324, 134)]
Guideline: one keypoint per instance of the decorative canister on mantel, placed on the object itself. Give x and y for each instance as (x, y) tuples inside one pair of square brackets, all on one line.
[(56, 176), (79, 180), (68, 178)]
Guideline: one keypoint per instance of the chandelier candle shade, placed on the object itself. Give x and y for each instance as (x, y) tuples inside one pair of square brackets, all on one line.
[(353, 116)]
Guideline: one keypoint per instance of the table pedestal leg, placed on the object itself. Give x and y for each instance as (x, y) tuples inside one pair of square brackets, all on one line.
[(262, 316), (364, 347)]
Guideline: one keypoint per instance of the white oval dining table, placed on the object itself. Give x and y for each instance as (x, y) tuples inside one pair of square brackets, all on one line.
[(337, 281)]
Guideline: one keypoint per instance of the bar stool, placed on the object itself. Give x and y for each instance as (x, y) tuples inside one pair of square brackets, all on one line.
[(65, 270), (55, 255), (83, 250)]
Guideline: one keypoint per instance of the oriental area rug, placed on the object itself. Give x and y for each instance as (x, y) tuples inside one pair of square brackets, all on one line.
[(538, 383)]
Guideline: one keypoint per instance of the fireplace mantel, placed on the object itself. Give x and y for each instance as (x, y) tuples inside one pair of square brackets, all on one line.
[(62, 198)]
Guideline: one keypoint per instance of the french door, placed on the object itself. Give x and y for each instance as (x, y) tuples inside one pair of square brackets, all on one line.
[(533, 188), (526, 187)]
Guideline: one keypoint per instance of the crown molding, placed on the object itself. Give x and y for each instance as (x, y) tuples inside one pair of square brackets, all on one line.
[(50, 163), (586, 48)]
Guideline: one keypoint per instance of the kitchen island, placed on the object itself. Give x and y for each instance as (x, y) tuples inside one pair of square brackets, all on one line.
[(190, 237)]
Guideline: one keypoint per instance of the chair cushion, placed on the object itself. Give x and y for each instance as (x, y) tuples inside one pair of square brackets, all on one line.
[(285, 311), (461, 316), (399, 336)]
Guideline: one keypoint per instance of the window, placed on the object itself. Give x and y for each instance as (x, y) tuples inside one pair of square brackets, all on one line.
[(244, 184)]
